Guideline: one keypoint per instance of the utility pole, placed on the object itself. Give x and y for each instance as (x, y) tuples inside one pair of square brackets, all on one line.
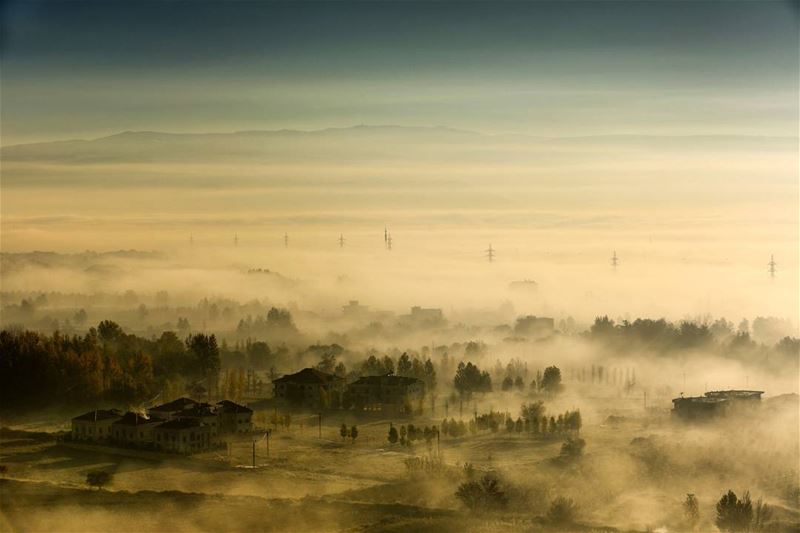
[(490, 253), (320, 425), (772, 264), (341, 241), (614, 260), (254, 454), (268, 434)]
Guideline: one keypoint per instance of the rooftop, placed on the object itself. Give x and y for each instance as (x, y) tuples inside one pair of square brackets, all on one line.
[(136, 419), (308, 375), (99, 414), (227, 406), (174, 405)]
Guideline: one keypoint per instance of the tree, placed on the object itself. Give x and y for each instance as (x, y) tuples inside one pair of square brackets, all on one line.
[(343, 431), (551, 381), (691, 511), (353, 433), (206, 353), (507, 384), (733, 514), (392, 434), (762, 516), (404, 365), (482, 495), (562, 511), (518, 383), (532, 411), (98, 478)]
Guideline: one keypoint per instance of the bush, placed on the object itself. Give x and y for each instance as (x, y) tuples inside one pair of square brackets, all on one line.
[(98, 478), (562, 511), (482, 495), (573, 448), (734, 514)]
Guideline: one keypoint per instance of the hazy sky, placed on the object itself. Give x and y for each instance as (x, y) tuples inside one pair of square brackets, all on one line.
[(76, 69)]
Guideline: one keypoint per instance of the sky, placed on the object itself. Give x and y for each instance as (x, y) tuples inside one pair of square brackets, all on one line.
[(82, 69)]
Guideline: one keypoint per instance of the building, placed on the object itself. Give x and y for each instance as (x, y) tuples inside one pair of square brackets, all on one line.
[(387, 393), (715, 403), (355, 310), (422, 317), (167, 411), (234, 418), (94, 426), (534, 326), (202, 412), (134, 429), (310, 388), (183, 435)]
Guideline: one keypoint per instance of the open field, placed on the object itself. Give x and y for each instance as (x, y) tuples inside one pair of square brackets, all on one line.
[(635, 472)]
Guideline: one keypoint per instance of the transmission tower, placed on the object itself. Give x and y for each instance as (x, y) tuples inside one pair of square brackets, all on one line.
[(341, 241), (285, 240), (490, 253), (614, 260), (236, 239), (772, 264), (385, 235), (389, 241)]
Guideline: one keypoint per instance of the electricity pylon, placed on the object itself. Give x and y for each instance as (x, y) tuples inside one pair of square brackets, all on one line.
[(285, 240), (389, 241), (341, 241), (614, 260), (490, 253), (236, 239), (772, 264)]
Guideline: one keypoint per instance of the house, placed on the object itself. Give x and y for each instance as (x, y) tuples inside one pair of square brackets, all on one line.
[(168, 410), (534, 326), (354, 310), (234, 418), (310, 388), (388, 393), (423, 317), (183, 435), (134, 429), (204, 413), (715, 403), (95, 425)]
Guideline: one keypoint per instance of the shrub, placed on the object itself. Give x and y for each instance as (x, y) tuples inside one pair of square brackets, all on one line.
[(562, 511)]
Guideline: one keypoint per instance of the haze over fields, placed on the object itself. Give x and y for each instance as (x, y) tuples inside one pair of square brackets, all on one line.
[(399, 266)]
